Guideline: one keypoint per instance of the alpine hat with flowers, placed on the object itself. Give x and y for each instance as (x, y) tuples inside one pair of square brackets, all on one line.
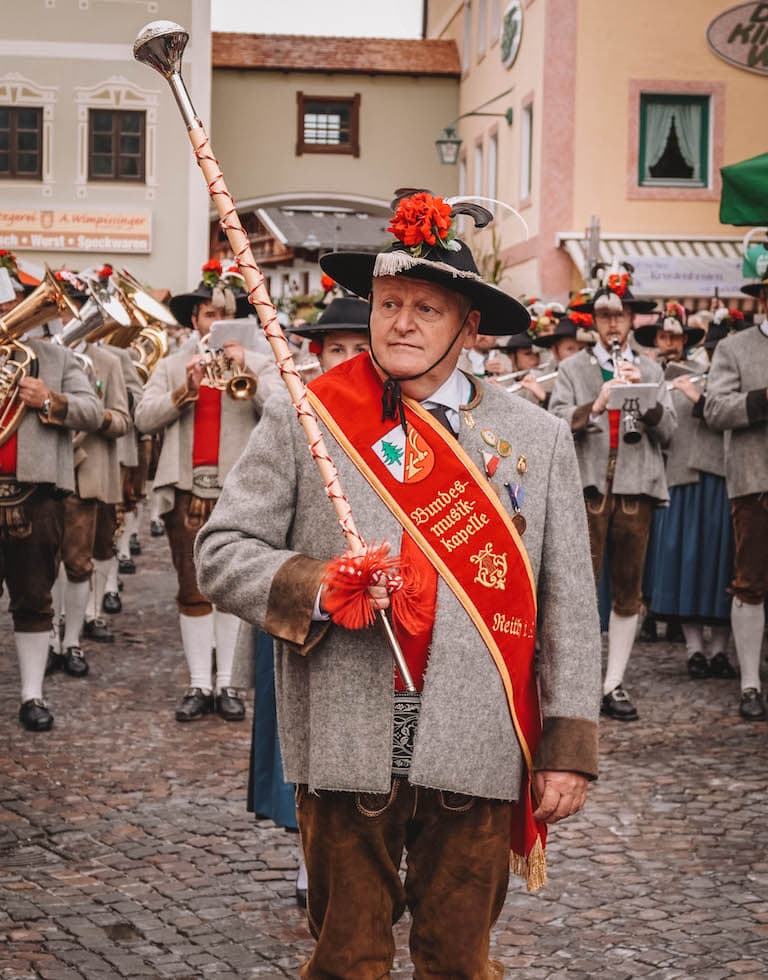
[(221, 286), (426, 247), (613, 292), (674, 320)]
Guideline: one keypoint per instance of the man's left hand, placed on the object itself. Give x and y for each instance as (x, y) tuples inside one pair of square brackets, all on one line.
[(33, 392), (561, 794)]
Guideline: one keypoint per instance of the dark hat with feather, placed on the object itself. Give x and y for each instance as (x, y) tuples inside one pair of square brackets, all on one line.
[(426, 247), (613, 293), (222, 287)]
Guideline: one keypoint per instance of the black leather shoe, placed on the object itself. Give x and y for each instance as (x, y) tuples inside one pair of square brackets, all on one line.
[(698, 666), (648, 632), (229, 706), (301, 897), (194, 705), (156, 529), (721, 667), (35, 717), (134, 545), (55, 662), (98, 631), (751, 706), (617, 705), (75, 663), (126, 566), (111, 603)]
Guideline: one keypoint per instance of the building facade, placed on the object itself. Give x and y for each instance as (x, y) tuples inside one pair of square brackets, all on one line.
[(622, 115), (95, 165), (315, 134)]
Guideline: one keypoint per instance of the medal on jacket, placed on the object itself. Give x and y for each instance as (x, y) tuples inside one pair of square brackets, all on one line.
[(516, 496)]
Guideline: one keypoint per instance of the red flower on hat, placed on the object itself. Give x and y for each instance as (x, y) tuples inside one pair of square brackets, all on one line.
[(212, 265), (105, 271), (735, 315), (422, 218), (8, 261), (618, 282), (326, 283), (582, 319)]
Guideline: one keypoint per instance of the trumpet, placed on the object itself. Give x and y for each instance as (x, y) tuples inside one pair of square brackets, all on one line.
[(541, 378), (222, 374), (629, 419)]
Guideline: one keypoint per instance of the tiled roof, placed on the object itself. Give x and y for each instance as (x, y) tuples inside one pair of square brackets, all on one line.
[(289, 52)]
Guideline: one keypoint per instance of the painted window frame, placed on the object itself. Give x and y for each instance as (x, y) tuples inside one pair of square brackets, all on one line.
[(118, 115), (705, 139), (352, 148)]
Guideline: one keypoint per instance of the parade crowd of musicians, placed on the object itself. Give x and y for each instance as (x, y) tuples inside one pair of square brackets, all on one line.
[(675, 481)]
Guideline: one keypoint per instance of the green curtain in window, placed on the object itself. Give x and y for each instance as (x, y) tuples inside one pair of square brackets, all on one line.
[(744, 198)]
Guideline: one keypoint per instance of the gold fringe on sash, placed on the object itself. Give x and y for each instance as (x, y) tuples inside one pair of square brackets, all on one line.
[(533, 868)]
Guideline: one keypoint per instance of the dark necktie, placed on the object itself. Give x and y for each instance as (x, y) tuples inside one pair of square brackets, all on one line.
[(440, 412)]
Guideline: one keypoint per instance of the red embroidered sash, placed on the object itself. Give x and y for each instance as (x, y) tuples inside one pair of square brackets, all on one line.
[(445, 504)]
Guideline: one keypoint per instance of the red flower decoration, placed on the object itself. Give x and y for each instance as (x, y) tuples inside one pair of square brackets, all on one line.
[(618, 282), (105, 272), (582, 319), (735, 314), (212, 265), (422, 218), (326, 283)]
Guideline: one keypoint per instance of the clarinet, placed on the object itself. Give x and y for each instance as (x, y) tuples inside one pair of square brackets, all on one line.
[(631, 433)]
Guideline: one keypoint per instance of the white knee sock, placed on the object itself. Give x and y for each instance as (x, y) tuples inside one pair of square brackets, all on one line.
[(101, 570), (719, 641), (621, 639), (132, 522), (57, 599), (225, 627), (32, 651), (111, 583), (694, 640), (75, 601), (197, 640), (301, 874), (124, 544), (154, 507), (748, 624)]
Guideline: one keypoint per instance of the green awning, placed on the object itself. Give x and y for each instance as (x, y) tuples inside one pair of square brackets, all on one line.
[(744, 199)]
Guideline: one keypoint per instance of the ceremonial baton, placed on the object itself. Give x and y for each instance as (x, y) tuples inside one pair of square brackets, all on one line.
[(161, 46)]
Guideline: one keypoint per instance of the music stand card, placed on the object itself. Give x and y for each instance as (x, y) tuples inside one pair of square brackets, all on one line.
[(639, 398), (7, 292), (242, 331)]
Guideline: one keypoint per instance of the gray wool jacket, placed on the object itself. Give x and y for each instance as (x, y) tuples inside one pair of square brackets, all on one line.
[(737, 405), (44, 453), (694, 448), (262, 554), (639, 467)]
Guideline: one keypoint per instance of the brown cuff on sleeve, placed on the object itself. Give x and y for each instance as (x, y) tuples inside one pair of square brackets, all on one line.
[(757, 405), (182, 395), (58, 412), (580, 417), (292, 600), (568, 745), (106, 421), (653, 415)]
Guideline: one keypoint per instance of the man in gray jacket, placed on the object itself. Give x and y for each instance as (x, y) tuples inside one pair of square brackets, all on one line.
[(36, 471), (737, 403), (447, 774), (621, 464)]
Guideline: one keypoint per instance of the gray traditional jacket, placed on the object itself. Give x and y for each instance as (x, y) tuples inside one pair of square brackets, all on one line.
[(127, 445), (262, 555), (737, 404), (44, 453), (166, 405), (639, 467), (678, 454), (97, 459)]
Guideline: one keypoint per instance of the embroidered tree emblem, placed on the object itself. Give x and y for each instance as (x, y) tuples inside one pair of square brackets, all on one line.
[(392, 454)]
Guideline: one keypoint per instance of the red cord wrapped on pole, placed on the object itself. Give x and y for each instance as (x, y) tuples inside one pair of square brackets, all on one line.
[(161, 46)]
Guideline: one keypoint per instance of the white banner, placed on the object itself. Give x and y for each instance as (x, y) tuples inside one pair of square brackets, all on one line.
[(674, 276)]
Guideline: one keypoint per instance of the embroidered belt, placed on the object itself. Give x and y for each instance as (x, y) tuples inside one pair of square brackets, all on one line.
[(205, 482)]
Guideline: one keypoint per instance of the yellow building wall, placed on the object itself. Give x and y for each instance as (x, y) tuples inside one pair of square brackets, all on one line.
[(255, 128)]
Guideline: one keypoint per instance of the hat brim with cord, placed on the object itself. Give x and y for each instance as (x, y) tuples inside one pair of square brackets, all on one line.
[(500, 314), (343, 313), (183, 305)]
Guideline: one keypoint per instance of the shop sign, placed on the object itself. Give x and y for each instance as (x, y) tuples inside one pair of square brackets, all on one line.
[(64, 230), (740, 37), (681, 276), (511, 32)]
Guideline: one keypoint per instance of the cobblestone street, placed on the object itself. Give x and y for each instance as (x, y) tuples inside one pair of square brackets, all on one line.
[(126, 850)]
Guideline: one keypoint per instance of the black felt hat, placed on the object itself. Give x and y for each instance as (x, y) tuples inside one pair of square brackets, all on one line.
[(565, 328), (675, 320), (521, 341), (613, 291), (221, 289), (439, 258), (342, 313)]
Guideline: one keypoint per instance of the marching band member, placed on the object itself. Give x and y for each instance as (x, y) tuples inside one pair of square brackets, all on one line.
[(690, 555), (204, 432), (737, 404), (407, 430), (36, 470), (623, 481)]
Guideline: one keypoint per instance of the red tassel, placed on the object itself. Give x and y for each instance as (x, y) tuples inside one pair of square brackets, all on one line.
[(347, 579), (409, 610)]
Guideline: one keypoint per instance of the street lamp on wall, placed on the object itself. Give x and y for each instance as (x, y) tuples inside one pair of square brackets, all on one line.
[(448, 142)]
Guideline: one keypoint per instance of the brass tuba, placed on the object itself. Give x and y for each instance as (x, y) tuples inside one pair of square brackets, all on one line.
[(147, 337), (17, 360)]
